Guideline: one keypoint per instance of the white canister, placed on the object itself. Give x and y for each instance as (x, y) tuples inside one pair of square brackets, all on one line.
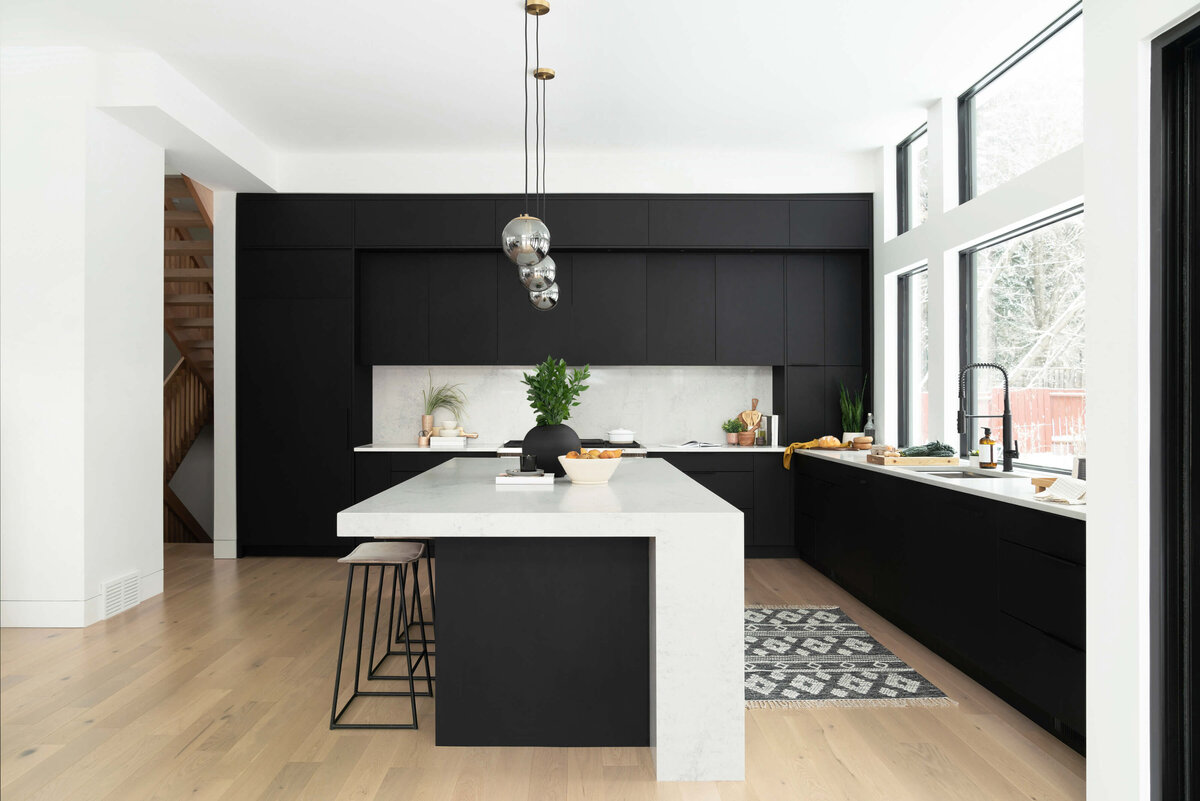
[(620, 436)]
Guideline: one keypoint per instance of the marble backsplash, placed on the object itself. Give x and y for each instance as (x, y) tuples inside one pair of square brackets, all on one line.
[(661, 404)]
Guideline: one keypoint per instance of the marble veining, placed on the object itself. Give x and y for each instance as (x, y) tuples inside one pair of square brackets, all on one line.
[(661, 404)]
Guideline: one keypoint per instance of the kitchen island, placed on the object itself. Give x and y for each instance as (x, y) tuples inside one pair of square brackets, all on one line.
[(552, 601)]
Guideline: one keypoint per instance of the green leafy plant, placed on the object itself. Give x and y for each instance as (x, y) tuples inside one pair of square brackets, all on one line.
[(935, 448), (852, 406), (552, 392), (733, 426), (445, 396)]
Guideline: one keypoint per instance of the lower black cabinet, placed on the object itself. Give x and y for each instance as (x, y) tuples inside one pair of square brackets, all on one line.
[(996, 589), (381, 470)]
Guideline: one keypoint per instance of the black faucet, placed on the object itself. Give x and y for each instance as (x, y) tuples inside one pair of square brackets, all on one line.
[(1010, 445)]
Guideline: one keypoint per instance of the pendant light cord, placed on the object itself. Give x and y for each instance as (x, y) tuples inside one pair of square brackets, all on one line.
[(525, 81), (537, 63), (545, 197)]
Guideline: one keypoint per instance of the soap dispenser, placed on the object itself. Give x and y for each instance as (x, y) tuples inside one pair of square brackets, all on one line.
[(987, 450)]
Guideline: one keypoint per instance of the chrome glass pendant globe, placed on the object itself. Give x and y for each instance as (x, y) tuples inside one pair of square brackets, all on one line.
[(538, 277), (545, 300), (525, 240)]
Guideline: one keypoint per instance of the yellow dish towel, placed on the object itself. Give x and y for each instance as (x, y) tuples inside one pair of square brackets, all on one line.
[(787, 454)]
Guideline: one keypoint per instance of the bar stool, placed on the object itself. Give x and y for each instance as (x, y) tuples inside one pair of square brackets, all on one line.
[(398, 556), (423, 640)]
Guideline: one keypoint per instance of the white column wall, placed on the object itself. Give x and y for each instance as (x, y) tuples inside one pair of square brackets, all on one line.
[(43, 150), (1117, 36), (122, 402), (225, 377)]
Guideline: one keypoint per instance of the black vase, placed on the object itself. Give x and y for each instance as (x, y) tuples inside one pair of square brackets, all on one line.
[(547, 443)]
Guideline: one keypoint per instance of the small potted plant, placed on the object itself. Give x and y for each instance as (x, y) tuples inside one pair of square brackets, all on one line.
[(973, 458), (446, 396), (552, 394), (851, 405), (732, 428)]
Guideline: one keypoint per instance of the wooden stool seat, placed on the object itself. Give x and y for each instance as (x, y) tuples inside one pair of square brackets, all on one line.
[(384, 553)]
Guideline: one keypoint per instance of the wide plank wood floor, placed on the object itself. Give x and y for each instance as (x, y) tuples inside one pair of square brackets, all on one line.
[(220, 689)]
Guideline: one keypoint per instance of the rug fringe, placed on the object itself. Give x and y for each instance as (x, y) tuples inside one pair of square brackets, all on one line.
[(790, 606), (849, 703)]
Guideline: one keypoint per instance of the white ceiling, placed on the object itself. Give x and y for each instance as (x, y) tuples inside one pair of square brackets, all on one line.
[(368, 76)]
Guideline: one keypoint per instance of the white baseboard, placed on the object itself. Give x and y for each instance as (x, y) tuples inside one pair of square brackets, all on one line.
[(225, 549), (69, 614)]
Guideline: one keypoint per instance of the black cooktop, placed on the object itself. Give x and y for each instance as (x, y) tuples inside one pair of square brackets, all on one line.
[(586, 443)]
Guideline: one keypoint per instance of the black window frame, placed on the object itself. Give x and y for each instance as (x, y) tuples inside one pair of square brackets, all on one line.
[(904, 332), (968, 314), (904, 177), (966, 121)]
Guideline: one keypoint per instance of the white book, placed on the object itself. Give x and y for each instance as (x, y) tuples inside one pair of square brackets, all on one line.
[(443, 443)]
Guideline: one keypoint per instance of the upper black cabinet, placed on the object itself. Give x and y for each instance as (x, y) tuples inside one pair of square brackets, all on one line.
[(844, 306), (593, 223), (830, 223), (462, 308), (806, 309), (425, 223), (393, 308), (526, 335), (750, 309), (269, 221), (608, 308), (295, 274), (719, 223), (681, 292)]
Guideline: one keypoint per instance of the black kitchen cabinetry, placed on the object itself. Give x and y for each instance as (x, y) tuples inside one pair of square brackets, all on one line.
[(844, 307), (750, 309), (295, 374), (526, 335), (996, 589), (805, 308), (718, 222), (377, 471), (754, 483), (608, 308), (681, 291)]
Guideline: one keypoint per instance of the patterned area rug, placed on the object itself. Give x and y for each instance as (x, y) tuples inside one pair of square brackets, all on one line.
[(807, 656)]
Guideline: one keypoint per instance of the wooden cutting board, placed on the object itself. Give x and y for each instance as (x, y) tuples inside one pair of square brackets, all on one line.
[(910, 461), (751, 417)]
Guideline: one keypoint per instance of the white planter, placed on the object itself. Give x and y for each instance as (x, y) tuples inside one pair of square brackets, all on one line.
[(848, 436), (973, 461)]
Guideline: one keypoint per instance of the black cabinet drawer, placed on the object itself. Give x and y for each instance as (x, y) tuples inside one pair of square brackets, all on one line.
[(410, 462), (734, 488), (425, 222), (681, 293), (750, 309), (1042, 590), (1043, 670), (719, 223), (830, 223), (1047, 532), (393, 308), (688, 462), (287, 222), (774, 499)]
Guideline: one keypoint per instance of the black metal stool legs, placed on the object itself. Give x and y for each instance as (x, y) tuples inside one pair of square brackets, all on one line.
[(399, 576), (335, 714)]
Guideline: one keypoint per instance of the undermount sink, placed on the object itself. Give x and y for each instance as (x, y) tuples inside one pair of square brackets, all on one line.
[(962, 474)]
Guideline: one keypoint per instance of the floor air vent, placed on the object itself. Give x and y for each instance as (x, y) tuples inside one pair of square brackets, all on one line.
[(120, 594)]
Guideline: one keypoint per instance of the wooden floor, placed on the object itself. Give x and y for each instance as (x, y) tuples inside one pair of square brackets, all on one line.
[(220, 689)]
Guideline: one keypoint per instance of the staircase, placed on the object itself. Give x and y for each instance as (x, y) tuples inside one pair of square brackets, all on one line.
[(188, 321), (188, 273)]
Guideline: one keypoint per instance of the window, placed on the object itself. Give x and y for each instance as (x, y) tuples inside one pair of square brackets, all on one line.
[(1026, 111), (912, 180), (912, 295), (1023, 308)]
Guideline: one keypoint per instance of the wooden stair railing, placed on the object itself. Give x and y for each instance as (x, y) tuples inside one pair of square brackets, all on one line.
[(187, 276), (187, 408)]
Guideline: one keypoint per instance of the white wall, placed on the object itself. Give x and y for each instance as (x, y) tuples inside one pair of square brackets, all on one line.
[(81, 288), (661, 404), (225, 375), (1117, 35)]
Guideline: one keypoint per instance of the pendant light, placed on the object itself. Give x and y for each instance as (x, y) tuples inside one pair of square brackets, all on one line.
[(526, 239)]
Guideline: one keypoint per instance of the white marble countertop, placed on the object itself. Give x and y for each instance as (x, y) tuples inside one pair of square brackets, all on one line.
[(498, 448), (460, 499), (1010, 487)]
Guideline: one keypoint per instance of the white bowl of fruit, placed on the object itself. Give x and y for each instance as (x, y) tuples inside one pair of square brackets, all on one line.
[(590, 466)]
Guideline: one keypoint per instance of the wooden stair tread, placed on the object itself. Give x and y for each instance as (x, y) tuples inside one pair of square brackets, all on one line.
[(202, 299), (188, 274), (174, 186), (187, 247), (198, 344), (191, 322), (183, 219)]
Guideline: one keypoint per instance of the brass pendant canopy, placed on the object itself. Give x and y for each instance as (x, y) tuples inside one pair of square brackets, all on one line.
[(537, 8), (544, 74)]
